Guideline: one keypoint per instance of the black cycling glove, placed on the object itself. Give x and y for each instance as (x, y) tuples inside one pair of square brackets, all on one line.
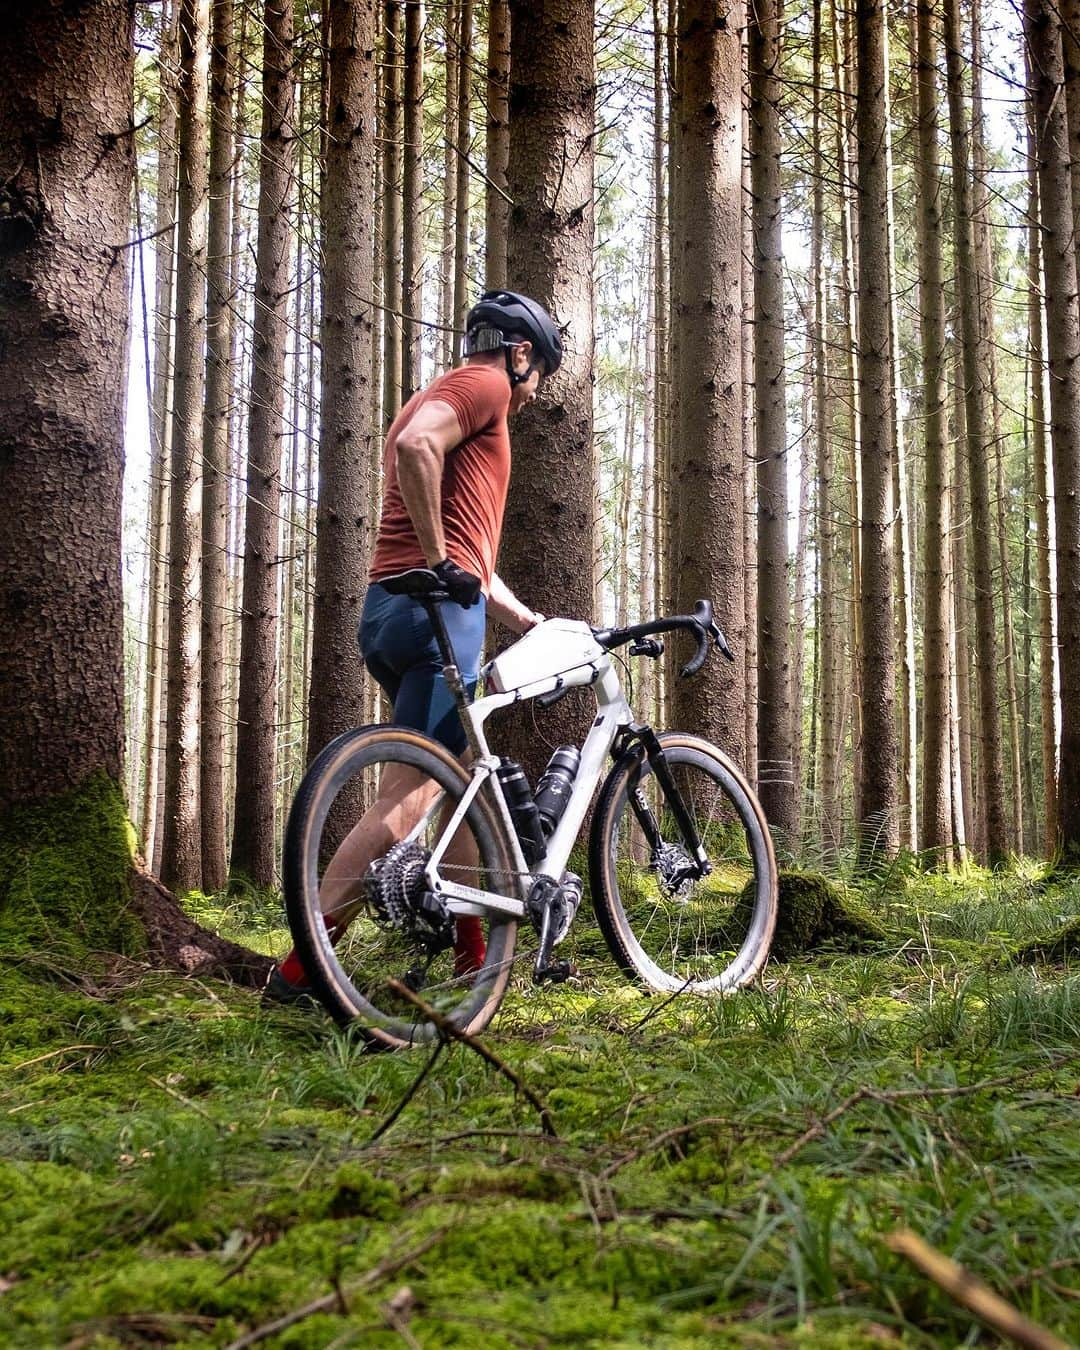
[(461, 586)]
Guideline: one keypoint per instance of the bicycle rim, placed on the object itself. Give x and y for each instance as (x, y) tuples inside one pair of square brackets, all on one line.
[(669, 928), (389, 792)]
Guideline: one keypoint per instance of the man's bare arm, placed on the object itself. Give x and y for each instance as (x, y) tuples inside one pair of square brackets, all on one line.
[(504, 606), (422, 447)]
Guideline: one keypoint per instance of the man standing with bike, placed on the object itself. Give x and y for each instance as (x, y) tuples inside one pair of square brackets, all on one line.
[(446, 474)]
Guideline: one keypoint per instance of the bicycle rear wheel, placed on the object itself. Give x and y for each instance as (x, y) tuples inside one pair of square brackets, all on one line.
[(398, 789), (666, 927)]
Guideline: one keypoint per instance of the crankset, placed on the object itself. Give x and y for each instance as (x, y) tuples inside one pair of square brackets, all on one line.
[(551, 907)]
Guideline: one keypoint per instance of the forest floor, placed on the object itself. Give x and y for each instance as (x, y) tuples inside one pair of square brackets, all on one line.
[(180, 1166)]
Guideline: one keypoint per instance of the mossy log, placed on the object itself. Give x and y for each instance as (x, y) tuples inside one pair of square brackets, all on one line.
[(73, 887), (814, 912), (1058, 948)]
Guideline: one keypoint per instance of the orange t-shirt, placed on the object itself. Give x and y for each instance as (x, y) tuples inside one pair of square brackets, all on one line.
[(476, 475)]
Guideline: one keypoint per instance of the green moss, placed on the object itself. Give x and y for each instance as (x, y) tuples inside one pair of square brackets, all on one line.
[(815, 912), (65, 868), (1059, 948)]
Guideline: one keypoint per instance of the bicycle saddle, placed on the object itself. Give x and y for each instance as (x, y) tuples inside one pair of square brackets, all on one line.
[(416, 582)]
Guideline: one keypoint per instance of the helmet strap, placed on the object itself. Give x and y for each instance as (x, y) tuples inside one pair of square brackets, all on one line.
[(515, 378)]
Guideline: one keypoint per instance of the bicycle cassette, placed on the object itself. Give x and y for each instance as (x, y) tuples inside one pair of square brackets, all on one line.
[(399, 896)]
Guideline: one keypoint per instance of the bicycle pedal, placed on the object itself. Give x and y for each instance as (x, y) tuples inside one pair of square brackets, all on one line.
[(557, 972)]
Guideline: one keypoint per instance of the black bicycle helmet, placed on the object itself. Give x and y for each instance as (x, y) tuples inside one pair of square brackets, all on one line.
[(514, 316)]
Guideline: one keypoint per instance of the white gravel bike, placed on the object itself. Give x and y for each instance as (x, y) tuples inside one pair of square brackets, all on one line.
[(681, 866)]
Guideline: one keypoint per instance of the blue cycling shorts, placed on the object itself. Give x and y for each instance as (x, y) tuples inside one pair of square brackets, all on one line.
[(399, 649)]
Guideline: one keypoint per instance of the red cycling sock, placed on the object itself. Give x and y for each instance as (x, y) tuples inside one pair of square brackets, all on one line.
[(469, 948), (291, 968)]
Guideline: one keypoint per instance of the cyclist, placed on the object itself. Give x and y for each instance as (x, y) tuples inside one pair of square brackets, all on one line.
[(446, 470)]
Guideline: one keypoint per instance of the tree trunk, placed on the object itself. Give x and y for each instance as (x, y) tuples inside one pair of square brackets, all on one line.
[(548, 532), (965, 804), (876, 813), (1044, 525), (160, 436), (346, 501), (412, 203), (830, 633), (67, 875), (1063, 347), (181, 852), (991, 773), (449, 195), (936, 829), (497, 198), (461, 190), (391, 209), (707, 495), (253, 848), (776, 786), (215, 450)]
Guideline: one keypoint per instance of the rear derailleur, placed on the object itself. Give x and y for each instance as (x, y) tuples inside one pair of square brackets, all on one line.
[(551, 907)]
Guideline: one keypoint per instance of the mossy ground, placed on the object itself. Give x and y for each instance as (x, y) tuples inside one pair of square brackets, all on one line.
[(178, 1166)]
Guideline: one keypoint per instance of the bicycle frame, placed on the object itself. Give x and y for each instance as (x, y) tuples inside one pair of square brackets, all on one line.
[(613, 713)]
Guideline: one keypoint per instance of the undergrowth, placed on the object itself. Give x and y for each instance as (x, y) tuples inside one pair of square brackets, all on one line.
[(178, 1166)]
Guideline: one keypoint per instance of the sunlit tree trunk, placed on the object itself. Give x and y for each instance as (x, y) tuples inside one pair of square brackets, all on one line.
[(160, 439), (550, 257), (253, 848), (876, 812), (991, 773), (497, 200), (345, 499), (390, 132), (1042, 27), (1044, 524), (449, 193), (461, 190), (215, 449), (181, 850), (776, 787), (707, 469), (412, 228), (936, 828)]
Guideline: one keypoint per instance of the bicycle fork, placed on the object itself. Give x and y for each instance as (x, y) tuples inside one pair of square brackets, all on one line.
[(700, 866)]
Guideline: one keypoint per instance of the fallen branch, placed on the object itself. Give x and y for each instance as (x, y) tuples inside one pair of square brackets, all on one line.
[(866, 1094), (64, 1050), (448, 1029), (658, 1141), (971, 1293), (390, 1265), (409, 1095)]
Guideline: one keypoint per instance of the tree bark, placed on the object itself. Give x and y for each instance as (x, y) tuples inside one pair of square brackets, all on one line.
[(991, 772), (181, 851), (1043, 30), (548, 530), (877, 806), (461, 190), (391, 209), (66, 165), (215, 451), (1044, 566), (936, 828), (776, 786), (160, 434), (497, 203), (707, 499), (345, 502), (412, 203), (253, 848)]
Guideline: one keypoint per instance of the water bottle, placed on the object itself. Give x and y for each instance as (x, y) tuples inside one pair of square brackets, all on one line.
[(522, 807), (555, 786)]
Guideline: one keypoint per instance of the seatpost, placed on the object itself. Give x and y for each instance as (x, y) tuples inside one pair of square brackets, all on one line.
[(451, 673)]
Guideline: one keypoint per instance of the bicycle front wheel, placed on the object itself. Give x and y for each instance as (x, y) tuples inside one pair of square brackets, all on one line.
[(667, 926), (372, 809)]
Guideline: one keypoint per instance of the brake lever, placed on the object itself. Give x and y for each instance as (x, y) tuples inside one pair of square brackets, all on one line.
[(721, 641)]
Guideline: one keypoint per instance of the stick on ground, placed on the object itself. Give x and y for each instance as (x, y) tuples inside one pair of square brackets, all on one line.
[(970, 1292)]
